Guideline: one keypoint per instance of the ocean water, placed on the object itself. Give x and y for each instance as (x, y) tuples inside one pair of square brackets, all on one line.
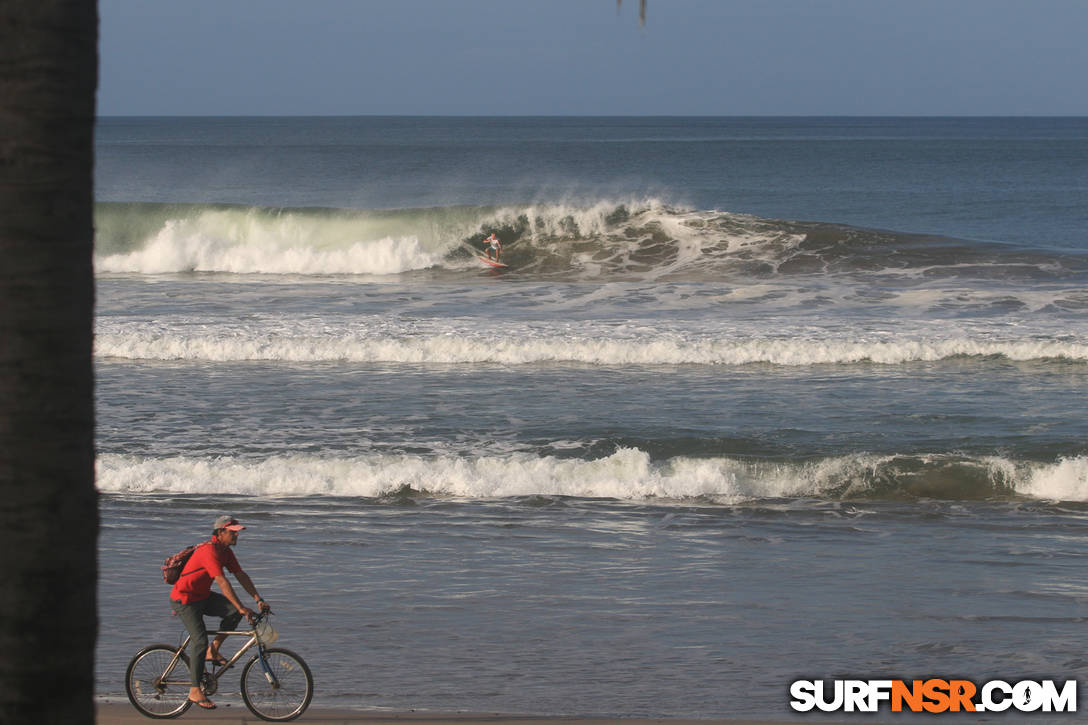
[(756, 400)]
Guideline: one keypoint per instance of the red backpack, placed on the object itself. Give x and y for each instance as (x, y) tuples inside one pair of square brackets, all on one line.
[(171, 568)]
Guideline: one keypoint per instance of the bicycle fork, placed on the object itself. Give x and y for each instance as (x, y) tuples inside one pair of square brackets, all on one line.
[(268, 674)]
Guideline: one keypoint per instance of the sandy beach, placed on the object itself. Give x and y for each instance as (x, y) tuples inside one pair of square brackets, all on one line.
[(123, 714)]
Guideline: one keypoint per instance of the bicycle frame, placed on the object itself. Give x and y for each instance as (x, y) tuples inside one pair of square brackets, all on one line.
[(217, 672)]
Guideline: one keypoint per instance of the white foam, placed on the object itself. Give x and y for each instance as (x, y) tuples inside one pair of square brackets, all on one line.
[(1067, 480), (633, 238), (256, 240), (187, 246), (370, 340), (628, 474)]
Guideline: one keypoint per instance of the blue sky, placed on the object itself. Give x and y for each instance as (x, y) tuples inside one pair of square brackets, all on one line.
[(585, 57)]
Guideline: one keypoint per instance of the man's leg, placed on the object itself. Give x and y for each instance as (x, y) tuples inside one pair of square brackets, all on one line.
[(192, 616), (219, 606)]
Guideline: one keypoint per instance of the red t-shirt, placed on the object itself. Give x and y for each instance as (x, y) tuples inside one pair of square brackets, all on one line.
[(207, 562)]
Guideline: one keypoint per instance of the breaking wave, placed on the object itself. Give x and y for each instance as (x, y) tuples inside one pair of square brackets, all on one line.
[(513, 345), (627, 474), (635, 239)]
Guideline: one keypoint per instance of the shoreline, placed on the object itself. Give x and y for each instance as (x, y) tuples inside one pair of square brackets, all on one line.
[(236, 714)]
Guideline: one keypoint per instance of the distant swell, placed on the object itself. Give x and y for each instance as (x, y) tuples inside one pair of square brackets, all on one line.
[(628, 474)]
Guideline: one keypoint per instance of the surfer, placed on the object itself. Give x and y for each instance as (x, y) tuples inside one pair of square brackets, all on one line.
[(492, 244)]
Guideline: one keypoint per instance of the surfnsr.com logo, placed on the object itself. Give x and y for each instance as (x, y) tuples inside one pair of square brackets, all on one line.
[(933, 696)]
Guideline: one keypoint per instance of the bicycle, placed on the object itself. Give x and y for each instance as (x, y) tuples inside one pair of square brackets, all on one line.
[(276, 683)]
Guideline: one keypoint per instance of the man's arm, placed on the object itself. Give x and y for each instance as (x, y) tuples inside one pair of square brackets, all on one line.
[(247, 584), (228, 592)]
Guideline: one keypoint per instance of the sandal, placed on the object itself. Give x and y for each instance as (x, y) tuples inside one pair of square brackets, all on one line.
[(218, 660), (204, 704)]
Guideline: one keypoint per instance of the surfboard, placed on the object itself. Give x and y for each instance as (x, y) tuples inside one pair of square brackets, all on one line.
[(490, 262)]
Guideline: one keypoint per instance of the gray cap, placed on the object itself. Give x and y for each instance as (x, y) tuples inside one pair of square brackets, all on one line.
[(227, 522)]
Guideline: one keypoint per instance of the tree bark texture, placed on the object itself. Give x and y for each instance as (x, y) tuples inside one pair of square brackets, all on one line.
[(48, 503)]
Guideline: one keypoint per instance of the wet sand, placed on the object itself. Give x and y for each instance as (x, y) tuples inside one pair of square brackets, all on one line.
[(234, 714)]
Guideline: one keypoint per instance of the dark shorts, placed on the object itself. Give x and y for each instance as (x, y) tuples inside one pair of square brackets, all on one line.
[(192, 616)]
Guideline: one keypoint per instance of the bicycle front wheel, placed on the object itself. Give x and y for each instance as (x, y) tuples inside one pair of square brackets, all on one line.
[(281, 692), (158, 684)]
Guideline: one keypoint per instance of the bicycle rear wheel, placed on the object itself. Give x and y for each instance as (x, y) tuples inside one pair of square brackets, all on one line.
[(151, 688), (281, 694)]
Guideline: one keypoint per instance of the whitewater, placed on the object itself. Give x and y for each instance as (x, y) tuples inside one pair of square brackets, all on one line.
[(377, 339), (598, 239), (756, 400), (627, 475)]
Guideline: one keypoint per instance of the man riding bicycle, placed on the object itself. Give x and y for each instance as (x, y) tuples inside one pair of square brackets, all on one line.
[(192, 599)]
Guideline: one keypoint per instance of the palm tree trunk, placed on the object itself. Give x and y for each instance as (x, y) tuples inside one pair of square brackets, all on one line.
[(48, 506)]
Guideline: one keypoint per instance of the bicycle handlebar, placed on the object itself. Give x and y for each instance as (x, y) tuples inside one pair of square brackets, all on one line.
[(259, 616)]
